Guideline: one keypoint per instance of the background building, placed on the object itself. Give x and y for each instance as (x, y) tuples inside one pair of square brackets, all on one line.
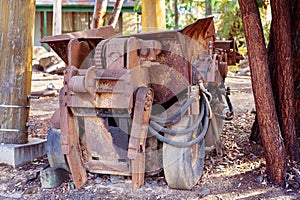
[(77, 16)]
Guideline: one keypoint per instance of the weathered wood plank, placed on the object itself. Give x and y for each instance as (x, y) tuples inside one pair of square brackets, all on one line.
[(16, 48)]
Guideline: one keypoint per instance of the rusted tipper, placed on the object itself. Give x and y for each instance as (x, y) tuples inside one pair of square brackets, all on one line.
[(141, 103)]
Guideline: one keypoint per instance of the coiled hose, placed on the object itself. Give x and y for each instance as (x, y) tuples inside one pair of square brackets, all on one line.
[(206, 114), (160, 128), (180, 112)]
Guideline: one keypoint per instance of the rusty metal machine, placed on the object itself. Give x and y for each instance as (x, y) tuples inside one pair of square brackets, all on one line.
[(141, 104)]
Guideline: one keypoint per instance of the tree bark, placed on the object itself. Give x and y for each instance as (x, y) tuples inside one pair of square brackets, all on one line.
[(176, 15), (262, 90), (282, 43), (295, 10), (113, 19), (208, 7), (281, 53), (56, 23), (255, 135), (16, 46), (99, 13)]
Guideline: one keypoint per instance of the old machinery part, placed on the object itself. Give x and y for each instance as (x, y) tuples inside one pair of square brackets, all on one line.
[(183, 166), (136, 104), (228, 112), (53, 149), (204, 115), (138, 135)]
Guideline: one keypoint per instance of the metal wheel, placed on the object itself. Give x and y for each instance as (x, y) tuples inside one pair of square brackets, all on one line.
[(183, 166)]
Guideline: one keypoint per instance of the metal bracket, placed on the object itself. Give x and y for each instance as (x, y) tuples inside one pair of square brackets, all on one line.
[(138, 135)]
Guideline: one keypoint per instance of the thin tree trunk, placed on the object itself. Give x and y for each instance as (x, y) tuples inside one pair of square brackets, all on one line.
[(56, 23), (176, 15), (261, 83), (208, 7), (99, 13), (116, 13), (255, 134)]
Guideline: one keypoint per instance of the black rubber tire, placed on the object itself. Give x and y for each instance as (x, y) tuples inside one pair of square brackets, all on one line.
[(183, 166)]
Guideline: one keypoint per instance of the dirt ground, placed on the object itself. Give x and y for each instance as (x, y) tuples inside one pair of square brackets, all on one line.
[(238, 174)]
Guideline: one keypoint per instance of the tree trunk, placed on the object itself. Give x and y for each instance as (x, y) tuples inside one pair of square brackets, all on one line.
[(208, 7), (16, 46), (284, 68), (99, 13), (261, 84), (56, 23), (116, 13), (282, 43), (176, 15), (295, 10)]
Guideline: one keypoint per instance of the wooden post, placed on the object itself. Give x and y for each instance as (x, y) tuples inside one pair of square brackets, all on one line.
[(16, 46), (153, 15), (56, 22)]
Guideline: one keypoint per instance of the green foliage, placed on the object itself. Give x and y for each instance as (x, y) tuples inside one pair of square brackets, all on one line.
[(230, 24), (187, 13), (137, 5), (233, 68), (170, 16), (227, 14), (186, 9), (266, 28), (265, 24)]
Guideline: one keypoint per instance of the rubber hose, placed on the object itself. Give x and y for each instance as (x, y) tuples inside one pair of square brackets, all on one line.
[(230, 109), (160, 128), (181, 112), (223, 117), (229, 103), (184, 144)]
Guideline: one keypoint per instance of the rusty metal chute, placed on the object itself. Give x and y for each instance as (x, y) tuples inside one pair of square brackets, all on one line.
[(59, 43)]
